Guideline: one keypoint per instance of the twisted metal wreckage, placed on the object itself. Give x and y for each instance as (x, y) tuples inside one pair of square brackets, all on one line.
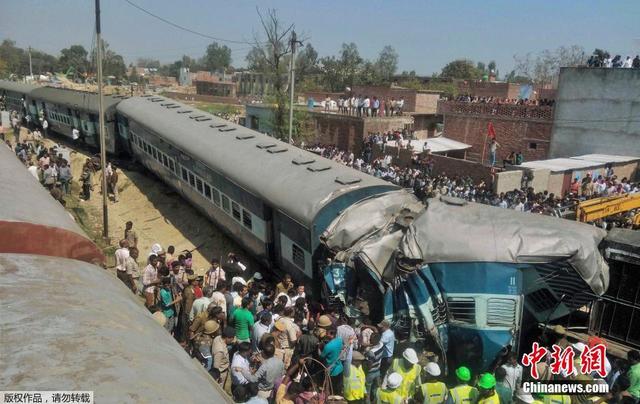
[(469, 281)]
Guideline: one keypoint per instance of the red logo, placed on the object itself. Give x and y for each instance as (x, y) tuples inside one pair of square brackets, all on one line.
[(591, 359)]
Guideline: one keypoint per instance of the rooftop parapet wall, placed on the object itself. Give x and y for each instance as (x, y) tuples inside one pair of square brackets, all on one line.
[(509, 111)]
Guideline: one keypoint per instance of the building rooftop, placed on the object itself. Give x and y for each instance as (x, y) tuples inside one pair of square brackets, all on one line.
[(578, 162)]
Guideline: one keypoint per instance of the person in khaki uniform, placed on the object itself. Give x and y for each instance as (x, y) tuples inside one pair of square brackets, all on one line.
[(220, 354), (188, 297), (213, 312), (203, 343)]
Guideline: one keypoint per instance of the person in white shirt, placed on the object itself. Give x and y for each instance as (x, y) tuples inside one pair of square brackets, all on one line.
[(214, 274), (201, 304), (627, 63), (33, 169), (260, 328), (519, 207), (75, 134), (121, 255), (513, 379), (239, 362)]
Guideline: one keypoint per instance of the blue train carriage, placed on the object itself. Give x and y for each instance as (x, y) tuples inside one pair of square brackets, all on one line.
[(17, 97), (273, 198), (494, 273), (66, 109)]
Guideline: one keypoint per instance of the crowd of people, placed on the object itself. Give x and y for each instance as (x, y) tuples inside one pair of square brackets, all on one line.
[(604, 59), (363, 105), (420, 177), (504, 101)]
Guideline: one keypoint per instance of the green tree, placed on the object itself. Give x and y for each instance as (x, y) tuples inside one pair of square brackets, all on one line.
[(13, 59), (460, 69), (217, 57), (306, 62), (331, 76), (481, 67), (75, 58), (387, 63), (544, 67), (350, 64), (112, 63), (492, 66)]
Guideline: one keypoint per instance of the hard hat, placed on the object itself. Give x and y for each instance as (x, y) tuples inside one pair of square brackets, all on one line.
[(487, 381), (410, 355), (394, 380), (432, 369), (211, 326), (324, 321), (463, 373), (579, 346), (357, 356)]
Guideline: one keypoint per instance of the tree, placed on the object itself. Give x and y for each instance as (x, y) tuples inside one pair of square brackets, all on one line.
[(481, 67), (306, 62), (148, 63), (460, 69), (217, 57), (387, 63), (492, 66), (331, 74), (544, 67), (112, 63), (75, 58), (269, 57), (350, 63)]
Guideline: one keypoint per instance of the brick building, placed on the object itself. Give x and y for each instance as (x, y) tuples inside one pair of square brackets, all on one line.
[(207, 83), (500, 89), (518, 128)]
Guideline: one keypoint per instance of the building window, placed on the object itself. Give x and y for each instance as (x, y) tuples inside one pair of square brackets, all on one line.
[(297, 254), (462, 309), (235, 209), (533, 146), (226, 204), (207, 190), (216, 197), (246, 219), (185, 177)]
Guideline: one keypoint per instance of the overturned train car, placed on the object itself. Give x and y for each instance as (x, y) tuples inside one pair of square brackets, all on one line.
[(470, 281)]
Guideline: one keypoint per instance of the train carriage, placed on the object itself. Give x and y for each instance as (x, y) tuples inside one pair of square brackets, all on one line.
[(16, 96), (67, 109), (274, 198)]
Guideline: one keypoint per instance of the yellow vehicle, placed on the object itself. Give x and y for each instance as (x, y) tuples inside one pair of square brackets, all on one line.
[(598, 208)]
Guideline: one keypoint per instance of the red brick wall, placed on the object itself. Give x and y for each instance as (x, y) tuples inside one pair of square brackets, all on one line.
[(463, 168), (516, 128)]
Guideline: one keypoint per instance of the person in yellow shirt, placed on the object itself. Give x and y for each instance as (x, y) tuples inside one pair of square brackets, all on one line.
[(487, 390), (432, 391), (390, 393), (408, 368), (354, 378), (462, 393)]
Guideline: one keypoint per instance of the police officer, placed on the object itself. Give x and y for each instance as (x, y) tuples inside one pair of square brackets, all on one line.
[(432, 391), (462, 393), (391, 393), (203, 343), (487, 389)]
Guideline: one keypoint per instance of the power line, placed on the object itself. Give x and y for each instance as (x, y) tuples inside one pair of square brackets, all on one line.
[(173, 24)]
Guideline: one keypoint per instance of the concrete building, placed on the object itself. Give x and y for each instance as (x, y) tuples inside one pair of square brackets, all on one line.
[(519, 128), (253, 84), (207, 83), (597, 111), (184, 77)]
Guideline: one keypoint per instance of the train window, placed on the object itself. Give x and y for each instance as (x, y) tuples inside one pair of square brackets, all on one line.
[(192, 179), (246, 219), (216, 197), (207, 190), (172, 165), (297, 254), (235, 209), (185, 177), (154, 151), (165, 161), (462, 309), (225, 204), (199, 185), (501, 312)]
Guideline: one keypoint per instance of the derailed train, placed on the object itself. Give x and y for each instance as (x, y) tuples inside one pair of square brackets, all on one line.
[(67, 324), (357, 238)]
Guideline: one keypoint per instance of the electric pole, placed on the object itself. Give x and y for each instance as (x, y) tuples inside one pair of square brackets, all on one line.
[(103, 152), (292, 68), (30, 67)]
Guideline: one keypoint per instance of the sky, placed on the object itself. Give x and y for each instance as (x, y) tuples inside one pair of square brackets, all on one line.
[(426, 34)]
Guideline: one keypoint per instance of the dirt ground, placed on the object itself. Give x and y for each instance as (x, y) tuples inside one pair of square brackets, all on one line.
[(158, 213)]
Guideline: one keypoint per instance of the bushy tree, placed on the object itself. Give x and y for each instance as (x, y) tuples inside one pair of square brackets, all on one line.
[(74, 58), (461, 69), (217, 57), (387, 63)]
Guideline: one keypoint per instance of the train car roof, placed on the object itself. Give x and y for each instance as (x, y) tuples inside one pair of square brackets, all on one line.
[(454, 230), (17, 87), (31, 221), (80, 328), (82, 100), (296, 182)]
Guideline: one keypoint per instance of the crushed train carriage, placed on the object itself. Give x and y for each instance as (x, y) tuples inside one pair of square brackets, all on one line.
[(470, 281)]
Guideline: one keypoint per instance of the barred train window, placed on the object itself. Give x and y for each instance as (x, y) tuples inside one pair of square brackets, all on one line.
[(207, 190), (192, 180), (225, 204), (297, 254), (185, 177), (216, 197), (235, 208), (199, 185), (246, 219)]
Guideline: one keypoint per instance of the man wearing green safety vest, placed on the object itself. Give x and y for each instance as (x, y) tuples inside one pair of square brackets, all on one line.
[(390, 393), (408, 368), (487, 390), (463, 393), (353, 389), (432, 391)]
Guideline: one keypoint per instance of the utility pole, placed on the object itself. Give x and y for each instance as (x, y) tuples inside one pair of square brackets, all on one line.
[(103, 151), (292, 68), (30, 66)]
